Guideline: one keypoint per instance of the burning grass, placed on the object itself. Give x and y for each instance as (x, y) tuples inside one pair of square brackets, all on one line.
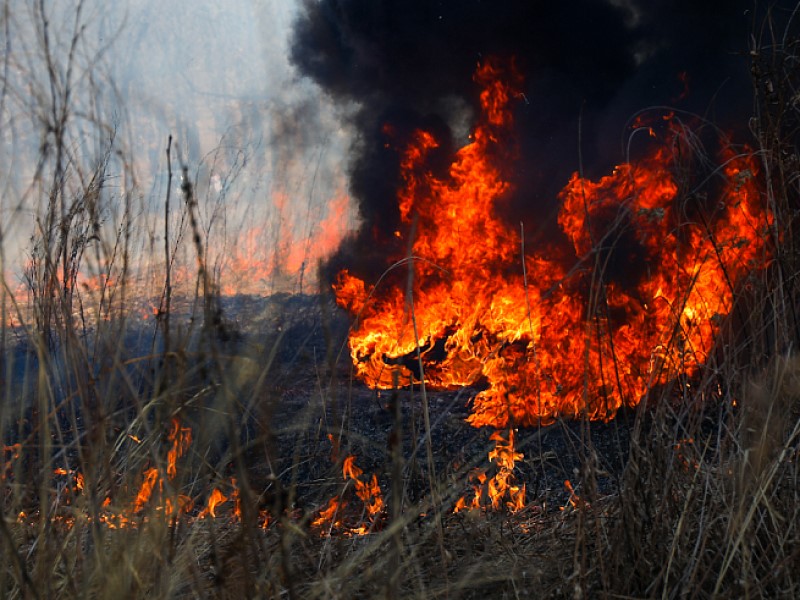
[(221, 460)]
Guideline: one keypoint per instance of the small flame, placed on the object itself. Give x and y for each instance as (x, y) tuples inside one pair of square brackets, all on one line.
[(500, 491), (181, 438), (574, 500), (327, 516), (369, 493), (151, 480), (215, 499), (236, 500), (151, 491)]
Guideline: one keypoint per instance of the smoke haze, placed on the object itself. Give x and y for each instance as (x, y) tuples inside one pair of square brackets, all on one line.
[(588, 67)]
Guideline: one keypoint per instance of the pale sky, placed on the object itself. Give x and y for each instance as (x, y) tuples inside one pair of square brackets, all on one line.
[(213, 75)]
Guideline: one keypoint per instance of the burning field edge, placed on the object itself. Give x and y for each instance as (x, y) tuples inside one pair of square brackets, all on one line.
[(540, 431)]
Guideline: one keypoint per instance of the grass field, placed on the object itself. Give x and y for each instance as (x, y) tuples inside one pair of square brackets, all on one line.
[(155, 447)]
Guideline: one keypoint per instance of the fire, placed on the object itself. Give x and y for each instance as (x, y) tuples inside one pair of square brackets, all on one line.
[(266, 256), (340, 515), (574, 500), (368, 493), (558, 331), (328, 515), (150, 493), (216, 498), (281, 255), (332, 517), (181, 438), (151, 480), (500, 491)]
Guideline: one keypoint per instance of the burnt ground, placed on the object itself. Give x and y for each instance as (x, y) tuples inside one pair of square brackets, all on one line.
[(273, 368), (552, 454), (319, 414), (310, 413)]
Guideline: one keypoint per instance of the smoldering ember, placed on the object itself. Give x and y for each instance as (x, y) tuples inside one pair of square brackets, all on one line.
[(349, 298)]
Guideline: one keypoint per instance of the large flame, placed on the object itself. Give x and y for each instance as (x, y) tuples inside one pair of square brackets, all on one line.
[(551, 332)]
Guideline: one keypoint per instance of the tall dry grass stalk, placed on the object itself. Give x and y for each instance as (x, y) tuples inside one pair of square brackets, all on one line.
[(703, 501)]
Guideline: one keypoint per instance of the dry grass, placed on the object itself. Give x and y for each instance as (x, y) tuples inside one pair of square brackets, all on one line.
[(706, 504)]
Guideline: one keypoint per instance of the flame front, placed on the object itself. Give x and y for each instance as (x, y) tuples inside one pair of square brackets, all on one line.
[(153, 494), (553, 333), (333, 515)]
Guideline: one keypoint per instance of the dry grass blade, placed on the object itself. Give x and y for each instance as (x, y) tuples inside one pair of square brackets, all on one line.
[(208, 448)]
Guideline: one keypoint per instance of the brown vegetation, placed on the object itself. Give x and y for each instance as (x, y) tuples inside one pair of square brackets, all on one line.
[(704, 503)]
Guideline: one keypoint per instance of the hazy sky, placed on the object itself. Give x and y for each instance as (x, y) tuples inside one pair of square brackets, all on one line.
[(270, 152), (215, 76)]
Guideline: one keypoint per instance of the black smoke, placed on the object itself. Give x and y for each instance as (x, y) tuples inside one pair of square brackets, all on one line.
[(588, 67)]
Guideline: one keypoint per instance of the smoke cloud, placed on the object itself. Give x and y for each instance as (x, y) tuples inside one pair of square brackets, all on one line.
[(588, 67)]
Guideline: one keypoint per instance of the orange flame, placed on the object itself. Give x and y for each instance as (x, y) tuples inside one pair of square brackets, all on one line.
[(524, 327), (368, 493), (215, 499), (332, 516), (500, 490), (264, 255), (236, 500), (181, 438), (327, 516), (150, 492), (574, 500), (151, 479)]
